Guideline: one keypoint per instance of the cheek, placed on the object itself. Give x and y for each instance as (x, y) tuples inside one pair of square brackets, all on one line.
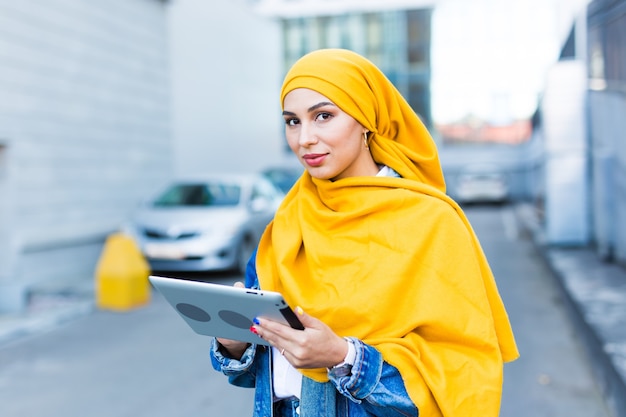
[(292, 141), (352, 138)]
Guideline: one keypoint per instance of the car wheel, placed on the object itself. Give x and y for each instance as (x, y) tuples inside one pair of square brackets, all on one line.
[(246, 247)]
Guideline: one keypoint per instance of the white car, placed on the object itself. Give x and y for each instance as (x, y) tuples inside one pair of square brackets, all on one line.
[(205, 223), (481, 184)]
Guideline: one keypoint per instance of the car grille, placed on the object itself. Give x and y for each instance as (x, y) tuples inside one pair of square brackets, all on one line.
[(163, 234)]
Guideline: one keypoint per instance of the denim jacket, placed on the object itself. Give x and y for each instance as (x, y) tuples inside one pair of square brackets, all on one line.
[(375, 388)]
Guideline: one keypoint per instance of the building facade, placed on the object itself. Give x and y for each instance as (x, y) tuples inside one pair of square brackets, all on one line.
[(226, 76), (397, 39), (584, 132), (606, 67), (84, 132)]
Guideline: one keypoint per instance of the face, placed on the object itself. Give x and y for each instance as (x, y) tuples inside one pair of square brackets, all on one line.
[(328, 142)]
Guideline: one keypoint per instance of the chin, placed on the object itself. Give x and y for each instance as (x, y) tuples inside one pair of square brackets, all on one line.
[(320, 174)]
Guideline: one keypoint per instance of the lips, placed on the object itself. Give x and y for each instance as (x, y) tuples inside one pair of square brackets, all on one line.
[(314, 159)]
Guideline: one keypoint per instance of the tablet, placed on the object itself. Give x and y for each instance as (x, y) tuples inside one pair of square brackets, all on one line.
[(223, 310)]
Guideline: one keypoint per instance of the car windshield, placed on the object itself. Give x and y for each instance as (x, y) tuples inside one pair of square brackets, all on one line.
[(200, 194)]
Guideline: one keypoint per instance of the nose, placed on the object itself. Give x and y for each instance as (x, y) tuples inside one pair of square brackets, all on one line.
[(307, 135)]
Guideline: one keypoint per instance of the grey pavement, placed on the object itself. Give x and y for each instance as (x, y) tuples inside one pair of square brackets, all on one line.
[(47, 307), (596, 295), (595, 290)]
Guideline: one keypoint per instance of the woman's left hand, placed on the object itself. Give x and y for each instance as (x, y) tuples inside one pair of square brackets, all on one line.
[(317, 346)]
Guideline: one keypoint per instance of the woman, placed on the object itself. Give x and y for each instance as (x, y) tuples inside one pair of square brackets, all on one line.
[(401, 312)]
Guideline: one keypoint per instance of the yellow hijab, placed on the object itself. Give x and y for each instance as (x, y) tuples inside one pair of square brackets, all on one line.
[(392, 261)]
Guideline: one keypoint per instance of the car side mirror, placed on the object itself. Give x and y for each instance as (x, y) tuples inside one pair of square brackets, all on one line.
[(259, 204)]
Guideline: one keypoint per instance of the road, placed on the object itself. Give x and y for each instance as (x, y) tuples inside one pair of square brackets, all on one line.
[(146, 362), (552, 376)]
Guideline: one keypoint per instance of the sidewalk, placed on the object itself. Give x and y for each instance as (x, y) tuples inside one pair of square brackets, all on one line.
[(596, 296), (47, 308), (595, 292)]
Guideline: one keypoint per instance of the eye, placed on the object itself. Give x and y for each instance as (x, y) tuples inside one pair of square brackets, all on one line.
[(292, 121), (323, 116)]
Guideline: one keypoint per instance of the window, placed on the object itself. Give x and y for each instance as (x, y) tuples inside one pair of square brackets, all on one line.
[(375, 36), (419, 100), (293, 40), (265, 190), (200, 194), (418, 36), (334, 36), (615, 59), (316, 33)]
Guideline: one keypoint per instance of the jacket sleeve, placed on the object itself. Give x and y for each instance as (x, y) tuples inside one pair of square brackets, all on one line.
[(239, 372), (374, 384)]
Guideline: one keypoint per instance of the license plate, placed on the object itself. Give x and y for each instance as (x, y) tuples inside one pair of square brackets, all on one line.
[(160, 251)]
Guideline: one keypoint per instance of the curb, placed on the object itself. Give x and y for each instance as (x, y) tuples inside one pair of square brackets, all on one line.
[(46, 311), (596, 296)]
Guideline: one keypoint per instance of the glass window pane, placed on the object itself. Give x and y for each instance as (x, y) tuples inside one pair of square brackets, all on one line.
[(418, 36), (316, 33), (211, 194), (333, 32)]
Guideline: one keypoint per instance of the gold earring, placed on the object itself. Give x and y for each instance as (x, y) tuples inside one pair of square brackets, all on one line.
[(365, 139)]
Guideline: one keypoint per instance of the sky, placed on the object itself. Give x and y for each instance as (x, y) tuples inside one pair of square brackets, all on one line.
[(490, 57)]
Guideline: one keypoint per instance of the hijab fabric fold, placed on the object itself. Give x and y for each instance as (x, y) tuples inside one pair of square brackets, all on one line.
[(392, 261)]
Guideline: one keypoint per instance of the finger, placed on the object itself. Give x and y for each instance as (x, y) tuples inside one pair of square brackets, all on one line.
[(305, 319), (275, 333), (238, 284), (278, 333)]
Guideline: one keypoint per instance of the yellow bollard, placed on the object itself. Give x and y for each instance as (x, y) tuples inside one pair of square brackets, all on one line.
[(121, 275)]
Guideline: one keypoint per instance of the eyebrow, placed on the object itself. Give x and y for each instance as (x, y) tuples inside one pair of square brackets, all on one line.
[(312, 108)]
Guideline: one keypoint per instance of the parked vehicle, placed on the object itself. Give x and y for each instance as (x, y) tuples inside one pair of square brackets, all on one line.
[(283, 177), (205, 223), (483, 183)]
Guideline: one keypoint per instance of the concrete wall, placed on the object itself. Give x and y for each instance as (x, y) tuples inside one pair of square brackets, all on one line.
[(84, 130), (564, 125), (226, 77)]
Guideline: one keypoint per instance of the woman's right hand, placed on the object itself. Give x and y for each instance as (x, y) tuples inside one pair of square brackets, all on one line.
[(233, 348)]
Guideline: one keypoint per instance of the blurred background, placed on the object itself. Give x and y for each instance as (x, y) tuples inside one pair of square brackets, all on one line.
[(104, 103), (114, 113)]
